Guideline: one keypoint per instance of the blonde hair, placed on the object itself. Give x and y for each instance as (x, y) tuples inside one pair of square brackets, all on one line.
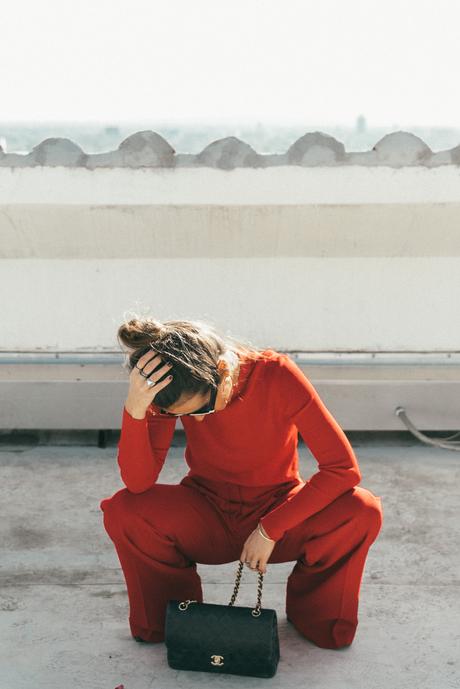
[(193, 347)]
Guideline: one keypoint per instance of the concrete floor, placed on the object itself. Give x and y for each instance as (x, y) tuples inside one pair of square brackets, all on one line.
[(64, 608)]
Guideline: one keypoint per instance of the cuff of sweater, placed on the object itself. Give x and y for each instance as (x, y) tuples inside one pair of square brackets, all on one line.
[(273, 532), (127, 418)]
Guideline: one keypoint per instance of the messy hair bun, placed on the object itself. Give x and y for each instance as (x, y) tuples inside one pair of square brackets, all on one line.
[(193, 347), (139, 332)]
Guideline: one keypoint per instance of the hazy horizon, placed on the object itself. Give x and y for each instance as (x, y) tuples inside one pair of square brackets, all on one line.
[(245, 61)]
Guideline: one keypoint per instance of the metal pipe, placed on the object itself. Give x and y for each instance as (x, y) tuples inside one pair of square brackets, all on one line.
[(323, 358)]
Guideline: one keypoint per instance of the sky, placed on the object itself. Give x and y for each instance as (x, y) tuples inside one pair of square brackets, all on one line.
[(270, 61)]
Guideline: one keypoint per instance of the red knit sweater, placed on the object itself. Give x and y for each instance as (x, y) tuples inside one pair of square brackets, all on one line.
[(253, 441)]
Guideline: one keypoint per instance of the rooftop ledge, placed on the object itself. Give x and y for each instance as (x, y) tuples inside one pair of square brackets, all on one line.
[(149, 149)]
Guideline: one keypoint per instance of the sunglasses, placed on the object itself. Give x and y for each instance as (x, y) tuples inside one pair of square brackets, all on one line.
[(208, 408)]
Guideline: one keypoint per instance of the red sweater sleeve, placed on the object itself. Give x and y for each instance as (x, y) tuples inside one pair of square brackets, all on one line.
[(142, 449), (338, 467)]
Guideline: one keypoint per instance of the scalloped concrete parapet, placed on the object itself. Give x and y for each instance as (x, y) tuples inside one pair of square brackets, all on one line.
[(49, 152), (143, 149), (402, 148), (229, 153), (315, 149), (149, 149)]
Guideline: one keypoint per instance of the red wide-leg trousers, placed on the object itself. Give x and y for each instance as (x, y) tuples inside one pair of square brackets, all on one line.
[(161, 534)]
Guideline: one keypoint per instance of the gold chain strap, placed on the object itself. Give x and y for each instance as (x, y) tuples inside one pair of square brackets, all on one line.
[(256, 611)]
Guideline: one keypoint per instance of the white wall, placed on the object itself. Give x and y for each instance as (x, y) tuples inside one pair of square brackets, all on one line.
[(308, 259)]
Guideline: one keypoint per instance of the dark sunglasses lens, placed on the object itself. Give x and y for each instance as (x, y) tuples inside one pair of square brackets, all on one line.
[(209, 407), (206, 409)]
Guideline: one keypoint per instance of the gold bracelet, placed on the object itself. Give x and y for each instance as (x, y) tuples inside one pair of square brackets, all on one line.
[(262, 534)]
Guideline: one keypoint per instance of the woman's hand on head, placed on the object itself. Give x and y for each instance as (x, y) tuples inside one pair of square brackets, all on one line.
[(141, 395)]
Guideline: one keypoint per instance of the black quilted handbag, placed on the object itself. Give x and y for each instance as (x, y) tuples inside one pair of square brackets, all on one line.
[(223, 638)]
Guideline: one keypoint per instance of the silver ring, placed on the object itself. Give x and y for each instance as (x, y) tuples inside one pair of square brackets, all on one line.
[(150, 383), (144, 375)]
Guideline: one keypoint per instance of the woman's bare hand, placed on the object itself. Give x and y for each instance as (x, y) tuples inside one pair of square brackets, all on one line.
[(256, 551), (140, 395)]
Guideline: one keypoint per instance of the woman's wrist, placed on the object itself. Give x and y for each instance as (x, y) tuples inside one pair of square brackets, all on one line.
[(264, 533), (137, 414)]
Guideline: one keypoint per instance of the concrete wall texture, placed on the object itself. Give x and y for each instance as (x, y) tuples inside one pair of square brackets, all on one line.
[(147, 148), (298, 256), (316, 251)]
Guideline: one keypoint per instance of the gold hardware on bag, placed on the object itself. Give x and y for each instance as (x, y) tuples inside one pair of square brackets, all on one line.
[(184, 604), (257, 610), (217, 660)]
